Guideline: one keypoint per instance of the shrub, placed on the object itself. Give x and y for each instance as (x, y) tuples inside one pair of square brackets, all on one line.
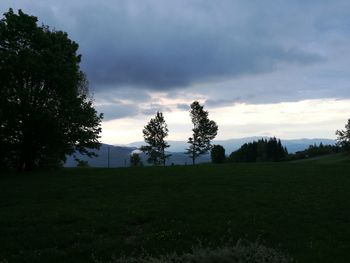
[(217, 154), (135, 160), (82, 163)]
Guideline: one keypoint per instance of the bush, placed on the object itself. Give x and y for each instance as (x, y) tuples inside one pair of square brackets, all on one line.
[(135, 160), (242, 252), (218, 154), (82, 163)]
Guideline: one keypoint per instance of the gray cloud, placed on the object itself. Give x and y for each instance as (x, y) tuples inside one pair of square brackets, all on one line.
[(153, 108), (182, 106), (111, 94), (117, 110), (212, 103)]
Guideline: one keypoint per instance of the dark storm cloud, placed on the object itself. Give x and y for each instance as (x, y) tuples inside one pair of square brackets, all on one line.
[(187, 63), (163, 45), (247, 51)]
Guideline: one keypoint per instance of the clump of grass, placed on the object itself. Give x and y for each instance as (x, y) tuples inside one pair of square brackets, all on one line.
[(241, 252)]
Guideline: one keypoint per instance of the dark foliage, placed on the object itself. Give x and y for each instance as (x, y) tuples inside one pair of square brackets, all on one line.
[(344, 137), (204, 131), (45, 111), (135, 160), (82, 163), (217, 154), (261, 151), (154, 133)]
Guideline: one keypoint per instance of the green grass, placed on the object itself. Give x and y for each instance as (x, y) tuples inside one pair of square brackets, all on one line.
[(327, 159), (75, 215)]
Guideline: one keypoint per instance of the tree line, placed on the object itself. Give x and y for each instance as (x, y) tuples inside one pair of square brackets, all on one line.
[(263, 150)]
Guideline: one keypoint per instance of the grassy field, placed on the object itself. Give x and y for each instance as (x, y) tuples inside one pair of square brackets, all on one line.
[(75, 215)]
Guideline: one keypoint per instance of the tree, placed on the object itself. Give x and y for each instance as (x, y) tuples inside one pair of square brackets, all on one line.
[(45, 109), (204, 131), (154, 133), (135, 160), (218, 154), (343, 139)]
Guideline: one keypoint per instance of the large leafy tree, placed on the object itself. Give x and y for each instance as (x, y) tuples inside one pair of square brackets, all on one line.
[(204, 131), (154, 134), (217, 154), (344, 137), (45, 110)]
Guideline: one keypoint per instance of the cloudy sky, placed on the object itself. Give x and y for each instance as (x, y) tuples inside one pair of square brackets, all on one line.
[(261, 68)]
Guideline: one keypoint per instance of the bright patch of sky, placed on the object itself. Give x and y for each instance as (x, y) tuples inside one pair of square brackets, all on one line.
[(318, 118)]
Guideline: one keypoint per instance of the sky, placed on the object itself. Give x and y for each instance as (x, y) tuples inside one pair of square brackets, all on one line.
[(261, 68)]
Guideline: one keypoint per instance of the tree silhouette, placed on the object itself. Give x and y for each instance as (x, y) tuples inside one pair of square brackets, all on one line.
[(45, 110), (135, 160), (154, 134), (204, 131), (344, 137), (218, 154)]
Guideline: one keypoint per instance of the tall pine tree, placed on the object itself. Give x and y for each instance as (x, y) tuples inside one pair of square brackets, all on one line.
[(204, 131), (154, 134)]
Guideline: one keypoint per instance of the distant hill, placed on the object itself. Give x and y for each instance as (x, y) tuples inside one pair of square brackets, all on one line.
[(231, 145), (120, 155), (336, 158), (301, 144)]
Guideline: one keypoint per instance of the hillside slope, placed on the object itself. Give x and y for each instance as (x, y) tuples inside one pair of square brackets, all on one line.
[(331, 159), (81, 215)]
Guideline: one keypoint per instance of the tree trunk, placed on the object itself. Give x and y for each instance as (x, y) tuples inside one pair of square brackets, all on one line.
[(27, 158)]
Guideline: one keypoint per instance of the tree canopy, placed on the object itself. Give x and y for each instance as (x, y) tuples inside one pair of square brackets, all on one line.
[(204, 131), (217, 154), (45, 109), (154, 134), (344, 137)]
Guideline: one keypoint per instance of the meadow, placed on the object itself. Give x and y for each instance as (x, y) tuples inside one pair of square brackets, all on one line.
[(81, 215)]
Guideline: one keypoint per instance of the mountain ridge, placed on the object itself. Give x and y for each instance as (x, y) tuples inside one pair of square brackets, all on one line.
[(119, 155), (233, 144)]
